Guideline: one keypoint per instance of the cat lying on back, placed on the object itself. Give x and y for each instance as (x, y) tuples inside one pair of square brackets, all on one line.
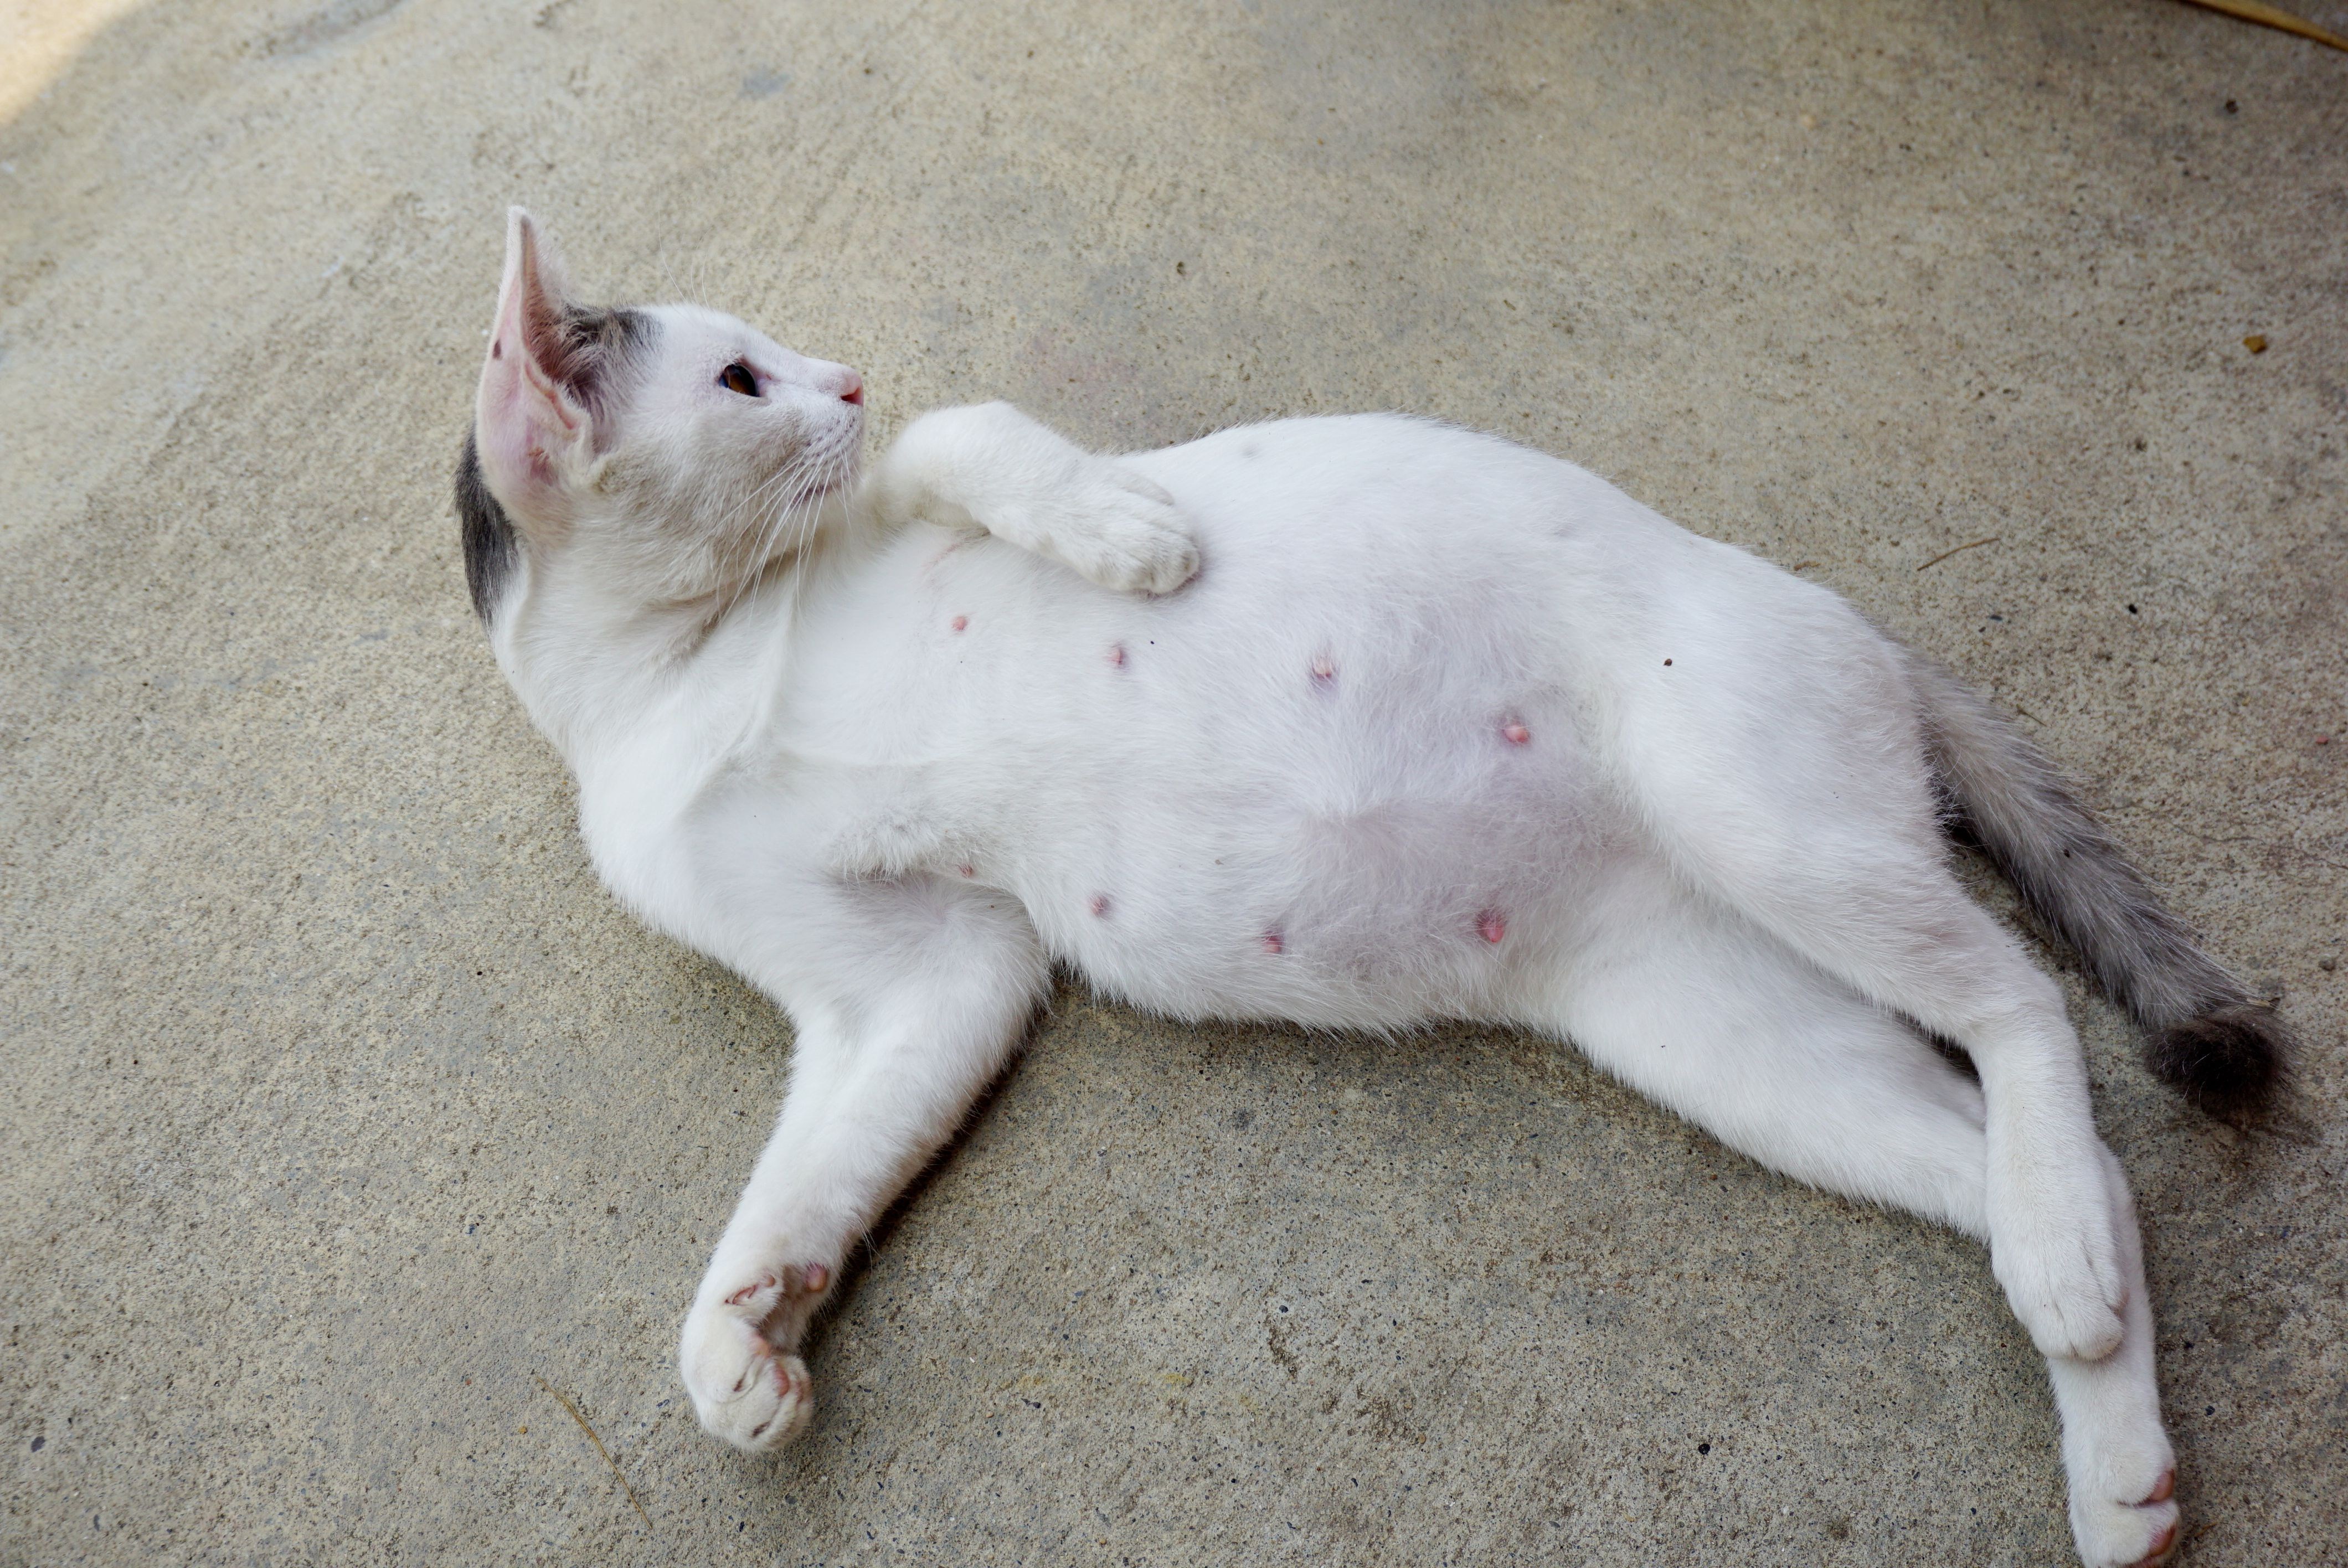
[(1443, 729)]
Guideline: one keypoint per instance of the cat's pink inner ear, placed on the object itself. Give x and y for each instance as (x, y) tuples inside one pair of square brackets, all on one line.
[(527, 422)]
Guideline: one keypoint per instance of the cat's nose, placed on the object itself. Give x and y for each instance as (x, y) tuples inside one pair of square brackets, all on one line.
[(851, 388)]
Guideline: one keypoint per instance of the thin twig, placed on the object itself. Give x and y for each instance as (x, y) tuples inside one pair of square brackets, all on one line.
[(2272, 16), (600, 1448), (1972, 545)]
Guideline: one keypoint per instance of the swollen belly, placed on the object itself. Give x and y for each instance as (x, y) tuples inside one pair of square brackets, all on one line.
[(1400, 908)]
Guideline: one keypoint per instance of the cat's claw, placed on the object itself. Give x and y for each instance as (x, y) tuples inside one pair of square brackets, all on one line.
[(745, 1388)]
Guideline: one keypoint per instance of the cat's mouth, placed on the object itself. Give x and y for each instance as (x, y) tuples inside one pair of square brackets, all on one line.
[(837, 467), (829, 486), (822, 488)]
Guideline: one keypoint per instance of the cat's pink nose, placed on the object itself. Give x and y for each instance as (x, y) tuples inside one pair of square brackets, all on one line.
[(851, 388)]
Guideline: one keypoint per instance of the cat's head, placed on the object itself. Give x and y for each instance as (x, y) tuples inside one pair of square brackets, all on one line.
[(660, 454)]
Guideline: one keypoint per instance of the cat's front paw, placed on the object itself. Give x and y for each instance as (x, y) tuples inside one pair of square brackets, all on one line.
[(2060, 1265), (746, 1388), (1121, 530)]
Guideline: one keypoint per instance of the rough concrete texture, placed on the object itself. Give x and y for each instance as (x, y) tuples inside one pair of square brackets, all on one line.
[(350, 1128)]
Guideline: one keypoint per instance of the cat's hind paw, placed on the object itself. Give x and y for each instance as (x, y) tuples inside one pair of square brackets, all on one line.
[(2062, 1275), (745, 1388), (2140, 1534)]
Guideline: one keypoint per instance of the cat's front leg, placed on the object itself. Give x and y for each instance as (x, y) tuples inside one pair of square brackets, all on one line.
[(935, 988), (990, 467)]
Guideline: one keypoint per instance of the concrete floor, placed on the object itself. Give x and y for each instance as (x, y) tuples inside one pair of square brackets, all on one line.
[(350, 1128)]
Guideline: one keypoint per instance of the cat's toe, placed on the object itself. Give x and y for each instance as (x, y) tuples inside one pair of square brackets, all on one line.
[(2123, 1496), (1170, 561), (2063, 1283), (1144, 557), (2064, 1320), (1142, 540), (2164, 1547), (744, 1390), (2126, 1535), (1134, 559), (774, 1409)]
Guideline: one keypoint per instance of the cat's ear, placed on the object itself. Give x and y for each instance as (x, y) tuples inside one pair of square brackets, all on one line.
[(532, 430)]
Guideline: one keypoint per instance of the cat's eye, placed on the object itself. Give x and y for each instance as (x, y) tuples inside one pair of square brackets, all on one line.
[(737, 377)]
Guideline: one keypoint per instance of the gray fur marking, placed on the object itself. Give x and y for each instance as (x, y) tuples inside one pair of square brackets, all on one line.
[(593, 350), (486, 532), (2206, 1037)]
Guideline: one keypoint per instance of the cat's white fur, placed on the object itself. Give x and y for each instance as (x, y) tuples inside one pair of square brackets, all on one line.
[(1443, 728)]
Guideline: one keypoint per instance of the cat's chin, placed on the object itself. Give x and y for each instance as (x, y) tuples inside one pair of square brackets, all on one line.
[(833, 479)]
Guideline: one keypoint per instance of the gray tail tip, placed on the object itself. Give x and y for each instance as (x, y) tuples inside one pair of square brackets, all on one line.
[(2233, 1061)]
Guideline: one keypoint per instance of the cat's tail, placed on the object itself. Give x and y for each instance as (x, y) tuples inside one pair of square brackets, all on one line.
[(2206, 1036)]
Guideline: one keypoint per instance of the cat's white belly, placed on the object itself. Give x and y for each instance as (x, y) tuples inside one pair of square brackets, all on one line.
[(1341, 778)]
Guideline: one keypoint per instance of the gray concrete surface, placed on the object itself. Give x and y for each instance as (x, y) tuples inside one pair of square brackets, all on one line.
[(347, 1122)]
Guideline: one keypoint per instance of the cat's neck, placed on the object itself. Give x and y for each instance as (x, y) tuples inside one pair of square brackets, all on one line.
[(607, 678)]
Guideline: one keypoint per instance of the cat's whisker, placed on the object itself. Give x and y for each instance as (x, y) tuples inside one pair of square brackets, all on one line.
[(746, 505), (805, 528), (792, 525), (789, 480)]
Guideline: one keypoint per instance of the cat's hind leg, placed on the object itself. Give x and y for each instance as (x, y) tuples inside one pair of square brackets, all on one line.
[(933, 989), (2111, 1437), (1694, 1006), (1778, 760)]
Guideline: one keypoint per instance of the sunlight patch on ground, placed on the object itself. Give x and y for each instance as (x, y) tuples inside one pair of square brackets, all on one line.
[(38, 37)]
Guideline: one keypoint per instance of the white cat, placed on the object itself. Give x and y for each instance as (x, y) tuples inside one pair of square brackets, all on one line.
[(1442, 728)]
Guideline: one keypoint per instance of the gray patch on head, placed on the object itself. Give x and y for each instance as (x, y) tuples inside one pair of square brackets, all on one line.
[(487, 533), (764, 83), (596, 348)]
